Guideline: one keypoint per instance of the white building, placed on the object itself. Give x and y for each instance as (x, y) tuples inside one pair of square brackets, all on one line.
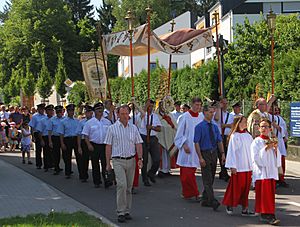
[(141, 62), (233, 12)]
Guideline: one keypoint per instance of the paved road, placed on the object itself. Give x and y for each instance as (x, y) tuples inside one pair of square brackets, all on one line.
[(161, 205)]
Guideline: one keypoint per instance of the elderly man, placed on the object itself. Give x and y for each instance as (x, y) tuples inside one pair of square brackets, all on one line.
[(123, 141), (261, 111), (166, 139)]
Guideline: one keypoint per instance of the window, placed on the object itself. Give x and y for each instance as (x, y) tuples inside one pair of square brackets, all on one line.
[(174, 65), (152, 66)]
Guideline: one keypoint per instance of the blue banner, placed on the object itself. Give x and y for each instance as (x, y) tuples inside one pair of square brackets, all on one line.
[(295, 119)]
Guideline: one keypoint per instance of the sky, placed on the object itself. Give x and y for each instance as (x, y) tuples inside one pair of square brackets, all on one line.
[(96, 3)]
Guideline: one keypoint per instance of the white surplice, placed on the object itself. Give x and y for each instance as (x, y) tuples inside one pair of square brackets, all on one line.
[(185, 135), (280, 135), (265, 162), (239, 153)]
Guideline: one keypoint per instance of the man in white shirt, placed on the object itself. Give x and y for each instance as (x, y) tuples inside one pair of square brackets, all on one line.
[(4, 116), (94, 132), (123, 141), (236, 109), (224, 123), (176, 112), (109, 111), (150, 125)]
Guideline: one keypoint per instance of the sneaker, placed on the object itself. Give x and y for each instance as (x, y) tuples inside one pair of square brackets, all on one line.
[(229, 210), (274, 221), (121, 218), (248, 213)]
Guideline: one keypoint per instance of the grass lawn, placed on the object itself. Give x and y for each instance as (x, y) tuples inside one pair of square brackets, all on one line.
[(78, 219)]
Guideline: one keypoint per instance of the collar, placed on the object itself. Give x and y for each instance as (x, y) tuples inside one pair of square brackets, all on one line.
[(264, 137), (120, 124), (243, 131), (193, 114)]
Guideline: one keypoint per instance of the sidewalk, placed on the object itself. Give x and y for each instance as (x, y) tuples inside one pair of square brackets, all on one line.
[(22, 194)]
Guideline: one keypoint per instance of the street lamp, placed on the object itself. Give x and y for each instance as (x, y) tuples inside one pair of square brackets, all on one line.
[(271, 19)]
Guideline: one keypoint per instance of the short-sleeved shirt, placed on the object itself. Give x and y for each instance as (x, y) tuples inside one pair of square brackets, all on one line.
[(54, 125), (42, 126), (114, 116), (16, 117), (96, 129), (35, 120), (202, 136), (227, 119), (4, 115), (69, 126), (123, 139), (154, 119), (81, 126)]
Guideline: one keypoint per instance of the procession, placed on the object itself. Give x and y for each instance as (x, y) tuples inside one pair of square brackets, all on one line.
[(191, 102), (249, 150)]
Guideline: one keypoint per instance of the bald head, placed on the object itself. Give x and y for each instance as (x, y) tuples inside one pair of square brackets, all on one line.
[(261, 104)]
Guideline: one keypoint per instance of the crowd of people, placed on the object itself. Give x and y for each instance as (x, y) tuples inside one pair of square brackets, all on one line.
[(120, 141)]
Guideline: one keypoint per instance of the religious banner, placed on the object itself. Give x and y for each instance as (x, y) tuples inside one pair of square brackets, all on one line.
[(94, 75), (180, 42)]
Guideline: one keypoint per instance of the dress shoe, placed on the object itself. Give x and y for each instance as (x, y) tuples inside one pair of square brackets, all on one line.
[(215, 205), (83, 180), (68, 177), (205, 203), (29, 163), (46, 170), (56, 173), (128, 216), (121, 218), (97, 186), (38, 167), (147, 184), (152, 178)]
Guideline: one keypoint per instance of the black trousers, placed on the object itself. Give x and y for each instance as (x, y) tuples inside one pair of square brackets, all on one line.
[(71, 144), (208, 174), (85, 160), (56, 151), (47, 154), (223, 172), (96, 155), (153, 149), (38, 150)]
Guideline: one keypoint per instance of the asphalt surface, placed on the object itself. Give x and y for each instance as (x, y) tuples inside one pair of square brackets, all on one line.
[(161, 204)]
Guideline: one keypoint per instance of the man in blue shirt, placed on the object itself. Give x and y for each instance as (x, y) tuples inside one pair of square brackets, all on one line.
[(54, 139), (68, 140), (82, 146), (33, 124), (42, 128), (207, 141)]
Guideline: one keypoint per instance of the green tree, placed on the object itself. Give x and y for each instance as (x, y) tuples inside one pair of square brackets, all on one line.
[(5, 11), (78, 94), (28, 82), (80, 9), (13, 85), (106, 18), (44, 82), (60, 75)]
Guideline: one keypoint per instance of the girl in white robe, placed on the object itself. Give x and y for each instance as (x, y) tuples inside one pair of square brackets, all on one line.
[(239, 161), (266, 161)]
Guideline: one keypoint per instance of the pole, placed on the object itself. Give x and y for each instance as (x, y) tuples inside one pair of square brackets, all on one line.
[(98, 28), (170, 61), (148, 9), (216, 14), (131, 74), (272, 71), (98, 73)]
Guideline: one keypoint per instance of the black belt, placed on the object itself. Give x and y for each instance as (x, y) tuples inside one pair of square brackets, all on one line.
[(125, 158)]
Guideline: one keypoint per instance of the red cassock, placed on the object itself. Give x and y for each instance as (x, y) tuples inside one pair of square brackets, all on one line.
[(281, 176), (265, 196), (188, 182), (136, 173), (238, 189)]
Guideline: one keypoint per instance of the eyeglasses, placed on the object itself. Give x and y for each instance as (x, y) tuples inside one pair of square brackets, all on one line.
[(264, 126)]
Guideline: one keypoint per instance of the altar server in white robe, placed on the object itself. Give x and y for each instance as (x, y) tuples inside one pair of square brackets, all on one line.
[(187, 159), (239, 162), (280, 131), (266, 161)]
